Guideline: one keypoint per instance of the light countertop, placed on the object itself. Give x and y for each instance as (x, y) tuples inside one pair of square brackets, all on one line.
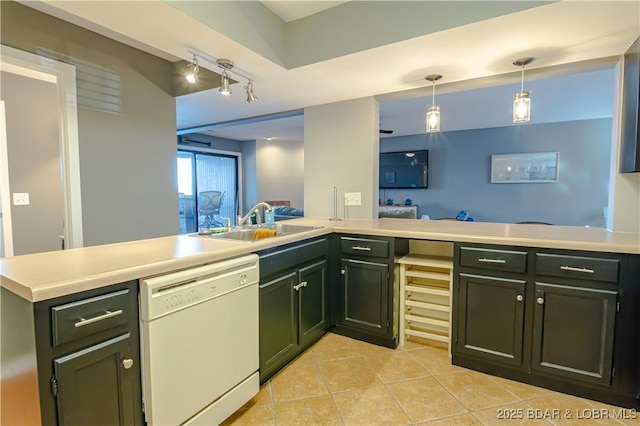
[(43, 276)]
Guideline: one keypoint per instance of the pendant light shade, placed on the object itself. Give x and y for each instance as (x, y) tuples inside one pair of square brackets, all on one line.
[(433, 110), (522, 99), (522, 107), (433, 118)]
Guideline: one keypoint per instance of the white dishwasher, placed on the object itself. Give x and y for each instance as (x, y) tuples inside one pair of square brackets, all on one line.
[(199, 342)]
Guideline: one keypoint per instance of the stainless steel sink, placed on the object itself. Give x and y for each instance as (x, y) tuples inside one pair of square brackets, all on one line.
[(246, 233)]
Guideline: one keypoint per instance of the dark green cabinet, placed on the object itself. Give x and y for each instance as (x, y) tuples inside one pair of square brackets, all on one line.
[(491, 318), (79, 356), (278, 339), (553, 318), (293, 302), (365, 296), (89, 357), (365, 293), (95, 385), (579, 318), (312, 306)]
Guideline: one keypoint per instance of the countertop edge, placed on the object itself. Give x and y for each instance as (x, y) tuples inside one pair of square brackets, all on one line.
[(601, 241)]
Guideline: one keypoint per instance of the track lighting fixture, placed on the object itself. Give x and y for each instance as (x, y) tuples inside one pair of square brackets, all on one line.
[(433, 111), (251, 97), (227, 68), (192, 70), (522, 99), (224, 84)]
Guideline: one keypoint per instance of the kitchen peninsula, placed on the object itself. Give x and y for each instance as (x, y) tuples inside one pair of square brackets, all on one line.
[(510, 264)]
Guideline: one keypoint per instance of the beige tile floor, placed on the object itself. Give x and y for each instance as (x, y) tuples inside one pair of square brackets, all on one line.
[(341, 381)]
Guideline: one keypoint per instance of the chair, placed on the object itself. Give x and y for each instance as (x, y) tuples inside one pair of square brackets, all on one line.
[(209, 203)]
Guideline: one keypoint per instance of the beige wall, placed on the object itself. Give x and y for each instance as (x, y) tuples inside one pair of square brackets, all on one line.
[(341, 146)]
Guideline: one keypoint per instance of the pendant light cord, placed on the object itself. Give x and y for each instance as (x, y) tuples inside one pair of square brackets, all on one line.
[(522, 80), (433, 94)]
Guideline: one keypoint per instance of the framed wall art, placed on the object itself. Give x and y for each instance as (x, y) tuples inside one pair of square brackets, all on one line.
[(536, 167)]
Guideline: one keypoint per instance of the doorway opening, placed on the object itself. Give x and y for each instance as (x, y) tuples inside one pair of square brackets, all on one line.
[(208, 189)]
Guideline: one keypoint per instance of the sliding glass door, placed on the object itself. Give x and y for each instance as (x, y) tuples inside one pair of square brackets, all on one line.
[(207, 189)]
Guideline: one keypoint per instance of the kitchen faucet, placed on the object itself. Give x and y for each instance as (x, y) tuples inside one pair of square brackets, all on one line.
[(255, 209)]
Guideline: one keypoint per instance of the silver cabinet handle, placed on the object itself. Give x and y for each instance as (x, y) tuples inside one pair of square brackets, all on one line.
[(361, 248), (299, 286), (540, 301), (573, 269), (105, 316), (485, 260), (519, 298), (127, 363)]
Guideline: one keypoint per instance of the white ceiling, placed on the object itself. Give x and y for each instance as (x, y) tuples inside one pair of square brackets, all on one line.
[(471, 56), (292, 10)]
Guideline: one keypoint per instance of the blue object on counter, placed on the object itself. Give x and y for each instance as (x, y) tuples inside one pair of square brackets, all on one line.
[(269, 217), (408, 202), (390, 202), (462, 215)]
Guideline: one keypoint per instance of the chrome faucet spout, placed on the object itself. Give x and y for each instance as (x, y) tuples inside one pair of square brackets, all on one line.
[(255, 209)]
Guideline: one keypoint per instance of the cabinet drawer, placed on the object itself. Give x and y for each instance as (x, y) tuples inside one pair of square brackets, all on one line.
[(364, 246), (85, 317), (501, 260), (586, 268)]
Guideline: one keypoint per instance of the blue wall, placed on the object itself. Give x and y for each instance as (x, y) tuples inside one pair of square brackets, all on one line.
[(460, 173)]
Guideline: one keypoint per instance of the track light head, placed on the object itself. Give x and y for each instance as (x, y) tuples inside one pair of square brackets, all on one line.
[(224, 84), (192, 71), (251, 97)]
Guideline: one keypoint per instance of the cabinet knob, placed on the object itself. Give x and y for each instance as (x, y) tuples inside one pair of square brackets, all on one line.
[(127, 363), (343, 271), (519, 298), (540, 300)]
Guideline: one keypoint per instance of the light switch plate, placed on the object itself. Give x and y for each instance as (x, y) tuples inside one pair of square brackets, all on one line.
[(353, 198), (20, 198)]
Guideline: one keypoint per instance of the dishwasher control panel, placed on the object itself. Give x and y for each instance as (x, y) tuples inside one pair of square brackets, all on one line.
[(162, 295)]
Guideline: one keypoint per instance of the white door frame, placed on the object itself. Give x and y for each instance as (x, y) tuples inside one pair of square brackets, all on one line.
[(64, 76)]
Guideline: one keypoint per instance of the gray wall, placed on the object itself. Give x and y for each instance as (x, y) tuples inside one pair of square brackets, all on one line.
[(460, 163), (280, 171), (33, 149), (341, 150), (126, 126)]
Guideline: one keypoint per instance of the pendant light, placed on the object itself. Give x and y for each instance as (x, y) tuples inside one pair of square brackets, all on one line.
[(192, 70), (522, 99), (433, 110)]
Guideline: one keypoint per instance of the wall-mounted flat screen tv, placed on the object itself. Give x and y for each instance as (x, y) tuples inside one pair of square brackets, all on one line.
[(405, 169)]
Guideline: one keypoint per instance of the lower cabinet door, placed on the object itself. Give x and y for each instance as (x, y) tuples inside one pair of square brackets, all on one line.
[(365, 296), (573, 332), (278, 337), (311, 302), (95, 385), (491, 318)]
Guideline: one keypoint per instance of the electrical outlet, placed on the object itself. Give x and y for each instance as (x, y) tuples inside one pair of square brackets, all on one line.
[(353, 198), (20, 198)]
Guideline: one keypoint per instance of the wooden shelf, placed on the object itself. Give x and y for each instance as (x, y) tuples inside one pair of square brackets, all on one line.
[(425, 297)]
